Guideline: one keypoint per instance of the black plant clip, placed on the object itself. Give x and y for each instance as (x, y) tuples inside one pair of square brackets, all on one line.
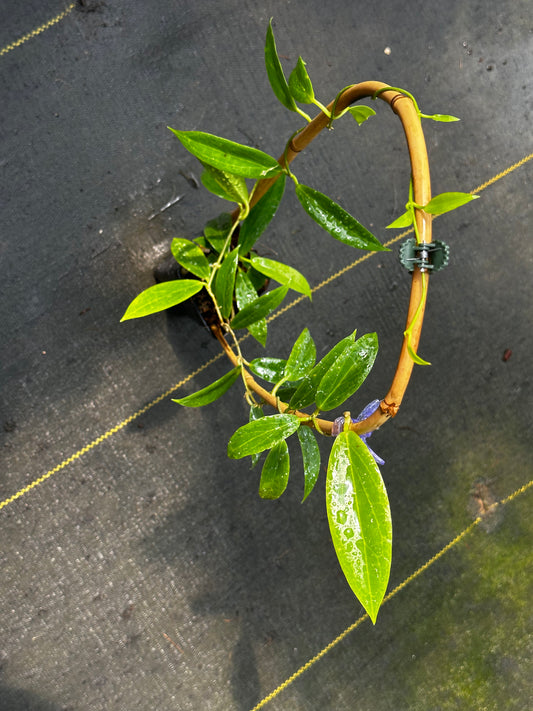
[(428, 256)]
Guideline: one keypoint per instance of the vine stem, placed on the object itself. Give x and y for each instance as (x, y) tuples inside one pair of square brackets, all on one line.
[(406, 110)]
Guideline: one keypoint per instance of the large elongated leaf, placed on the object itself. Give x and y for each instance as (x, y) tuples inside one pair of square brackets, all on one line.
[(347, 373), (260, 215), (162, 296), (306, 391), (302, 357), (288, 276), (225, 185), (211, 392), (447, 201), (227, 155), (335, 220), (270, 369), (191, 257), (359, 520), (311, 458), (275, 74), (260, 308), (225, 281), (245, 294), (275, 473), (261, 434)]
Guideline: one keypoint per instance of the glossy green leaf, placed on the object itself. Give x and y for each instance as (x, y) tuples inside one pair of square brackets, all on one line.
[(361, 113), (256, 412), (348, 372), (225, 185), (447, 201), (275, 473), (260, 215), (216, 230), (444, 118), (211, 392), (359, 520), (405, 220), (245, 294), (335, 220), (288, 276), (225, 282), (227, 155), (275, 74), (300, 84), (259, 281), (302, 357), (270, 369), (261, 434), (306, 391), (191, 257), (259, 308), (162, 296), (311, 458)]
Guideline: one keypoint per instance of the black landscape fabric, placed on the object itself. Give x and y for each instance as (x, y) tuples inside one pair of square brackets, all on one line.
[(146, 573)]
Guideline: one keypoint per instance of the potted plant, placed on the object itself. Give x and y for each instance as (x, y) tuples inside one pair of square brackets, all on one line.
[(223, 268)]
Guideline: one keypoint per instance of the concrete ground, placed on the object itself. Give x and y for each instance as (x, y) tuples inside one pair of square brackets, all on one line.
[(147, 573)]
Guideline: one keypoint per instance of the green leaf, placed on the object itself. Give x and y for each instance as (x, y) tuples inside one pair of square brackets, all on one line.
[(335, 220), (211, 392), (262, 434), (256, 413), (444, 118), (225, 185), (306, 391), (405, 220), (245, 294), (275, 74), (259, 308), (225, 281), (311, 458), (216, 231), (348, 372), (359, 520), (302, 357), (162, 296), (447, 201), (361, 113), (270, 369), (227, 155), (288, 276), (260, 215), (300, 84), (275, 473), (191, 257)]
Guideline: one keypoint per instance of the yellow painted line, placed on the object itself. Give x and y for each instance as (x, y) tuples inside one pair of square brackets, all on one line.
[(38, 30)]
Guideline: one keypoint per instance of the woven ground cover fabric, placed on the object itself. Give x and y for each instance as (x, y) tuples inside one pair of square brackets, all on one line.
[(147, 573)]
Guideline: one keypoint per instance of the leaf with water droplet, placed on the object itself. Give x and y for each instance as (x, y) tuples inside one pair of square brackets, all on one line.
[(311, 458), (348, 372), (275, 473), (262, 434), (359, 520)]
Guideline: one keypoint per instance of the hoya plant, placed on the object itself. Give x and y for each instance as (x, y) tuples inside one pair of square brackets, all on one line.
[(235, 287)]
